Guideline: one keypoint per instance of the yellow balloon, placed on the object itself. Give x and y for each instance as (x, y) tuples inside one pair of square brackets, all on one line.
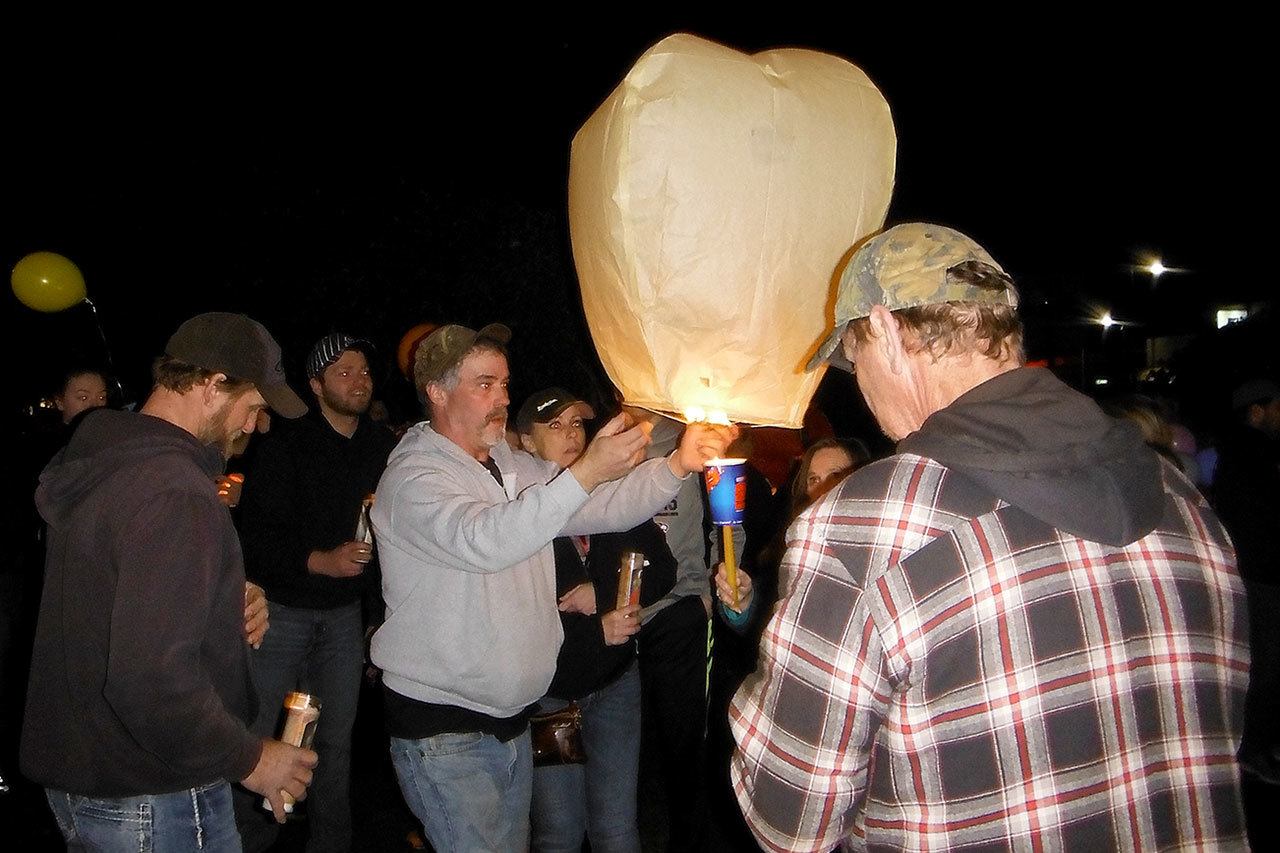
[(46, 281)]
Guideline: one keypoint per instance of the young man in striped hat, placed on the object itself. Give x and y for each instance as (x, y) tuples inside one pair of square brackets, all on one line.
[(299, 511)]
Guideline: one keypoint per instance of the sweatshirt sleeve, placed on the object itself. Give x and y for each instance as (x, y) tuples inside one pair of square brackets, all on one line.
[(432, 510), (172, 584), (623, 503)]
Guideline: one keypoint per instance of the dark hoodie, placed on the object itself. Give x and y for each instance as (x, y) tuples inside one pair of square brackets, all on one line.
[(140, 676), (1051, 452)]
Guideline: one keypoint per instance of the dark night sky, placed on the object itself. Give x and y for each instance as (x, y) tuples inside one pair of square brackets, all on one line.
[(391, 176)]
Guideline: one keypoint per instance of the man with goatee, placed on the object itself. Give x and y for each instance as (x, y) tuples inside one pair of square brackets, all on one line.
[(464, 527)]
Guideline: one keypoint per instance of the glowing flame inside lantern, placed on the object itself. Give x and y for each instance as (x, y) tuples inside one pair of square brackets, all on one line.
[(697, 414)]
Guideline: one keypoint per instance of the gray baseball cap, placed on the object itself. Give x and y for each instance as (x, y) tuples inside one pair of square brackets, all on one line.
[(910, 265)]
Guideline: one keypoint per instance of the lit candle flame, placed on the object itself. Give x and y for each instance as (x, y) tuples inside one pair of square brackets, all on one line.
[(697, 414)]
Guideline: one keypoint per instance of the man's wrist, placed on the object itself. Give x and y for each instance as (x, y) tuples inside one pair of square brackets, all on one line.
[(584, 475)]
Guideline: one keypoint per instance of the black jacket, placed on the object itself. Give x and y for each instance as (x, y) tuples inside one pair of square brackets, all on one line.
[(140, 676), (585, 664), (302, 494)]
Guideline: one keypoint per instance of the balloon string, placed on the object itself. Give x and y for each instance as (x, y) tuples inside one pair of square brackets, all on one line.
[(106, 348)]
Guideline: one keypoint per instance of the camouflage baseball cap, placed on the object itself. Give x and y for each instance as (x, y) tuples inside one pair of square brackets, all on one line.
[(446, 346), (909, 265)]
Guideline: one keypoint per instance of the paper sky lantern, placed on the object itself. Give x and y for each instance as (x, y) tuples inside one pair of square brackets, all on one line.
[(711, 198)]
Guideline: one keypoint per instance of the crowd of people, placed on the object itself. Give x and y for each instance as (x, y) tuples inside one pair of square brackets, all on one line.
[(1026, 627)]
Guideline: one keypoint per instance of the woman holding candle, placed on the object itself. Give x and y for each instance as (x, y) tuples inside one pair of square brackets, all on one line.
[(596, 665)]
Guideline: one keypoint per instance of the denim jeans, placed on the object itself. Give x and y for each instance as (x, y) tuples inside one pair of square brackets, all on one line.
[(470, 790), (196, 819), (319, 652), (596, 799)]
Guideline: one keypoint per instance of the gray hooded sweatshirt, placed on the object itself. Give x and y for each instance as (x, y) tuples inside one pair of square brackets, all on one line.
[(468, 570)]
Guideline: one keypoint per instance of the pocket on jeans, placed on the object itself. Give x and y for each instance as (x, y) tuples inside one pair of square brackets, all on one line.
[(60, 805), (449, 743), (138, 812)]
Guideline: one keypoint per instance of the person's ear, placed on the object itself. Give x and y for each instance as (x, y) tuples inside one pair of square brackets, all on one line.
[(212, 388), (436, 393), (887, 336)]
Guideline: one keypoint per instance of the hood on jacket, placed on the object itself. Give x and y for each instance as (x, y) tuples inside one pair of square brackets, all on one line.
[(1051, 452), (101, 445)]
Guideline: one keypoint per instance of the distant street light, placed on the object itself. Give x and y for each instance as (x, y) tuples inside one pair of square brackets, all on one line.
[(1106, 321), (1156, 267)]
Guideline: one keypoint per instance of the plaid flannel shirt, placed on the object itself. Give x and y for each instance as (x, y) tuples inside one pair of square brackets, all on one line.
[(945, 672)]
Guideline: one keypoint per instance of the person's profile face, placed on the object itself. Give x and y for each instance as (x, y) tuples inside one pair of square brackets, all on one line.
[(234, 418), (885, 391)]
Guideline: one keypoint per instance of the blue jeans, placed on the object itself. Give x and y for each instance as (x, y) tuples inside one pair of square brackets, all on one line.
[(596, 799), (319, 652), (196, 819), (470, 790)]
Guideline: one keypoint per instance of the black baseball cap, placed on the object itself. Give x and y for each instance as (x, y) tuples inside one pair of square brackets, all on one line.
[(547, 405), (1260, 391)]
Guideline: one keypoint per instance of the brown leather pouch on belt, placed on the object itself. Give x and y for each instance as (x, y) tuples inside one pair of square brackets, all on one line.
[(557, 737)]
